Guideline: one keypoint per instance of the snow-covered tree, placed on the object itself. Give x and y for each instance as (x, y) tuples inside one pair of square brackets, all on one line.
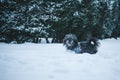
[(30, 20)]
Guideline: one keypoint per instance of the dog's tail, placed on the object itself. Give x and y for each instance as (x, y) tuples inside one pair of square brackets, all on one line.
[(94, 42)]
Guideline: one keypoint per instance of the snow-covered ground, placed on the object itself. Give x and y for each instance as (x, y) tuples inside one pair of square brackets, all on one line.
[(53, 62)]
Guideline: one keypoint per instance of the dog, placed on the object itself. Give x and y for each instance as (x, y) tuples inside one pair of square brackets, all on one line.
[(71, 43)]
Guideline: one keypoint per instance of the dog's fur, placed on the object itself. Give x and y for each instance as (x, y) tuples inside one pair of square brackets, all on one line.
[(70, 41), (89, 46)]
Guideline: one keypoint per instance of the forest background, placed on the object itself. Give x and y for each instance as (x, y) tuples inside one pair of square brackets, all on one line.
[(30, 20)]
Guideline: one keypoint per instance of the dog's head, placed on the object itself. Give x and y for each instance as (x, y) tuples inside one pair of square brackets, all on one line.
[(70, 41)]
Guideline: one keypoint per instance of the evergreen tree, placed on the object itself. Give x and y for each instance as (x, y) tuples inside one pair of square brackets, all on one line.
[(30, 20)]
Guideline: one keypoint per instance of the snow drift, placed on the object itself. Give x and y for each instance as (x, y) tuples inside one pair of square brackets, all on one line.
[(53, 62)]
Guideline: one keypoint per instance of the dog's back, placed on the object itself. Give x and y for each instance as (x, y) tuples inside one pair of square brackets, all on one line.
[(89, 46)]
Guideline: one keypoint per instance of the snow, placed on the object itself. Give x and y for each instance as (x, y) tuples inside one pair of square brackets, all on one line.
[(53, 62), (80, 1)]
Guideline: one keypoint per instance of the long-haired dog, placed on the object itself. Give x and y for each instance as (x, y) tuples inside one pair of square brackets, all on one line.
[(89, 46)]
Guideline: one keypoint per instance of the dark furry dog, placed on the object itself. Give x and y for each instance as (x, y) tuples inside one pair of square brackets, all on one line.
[(89, 46)]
